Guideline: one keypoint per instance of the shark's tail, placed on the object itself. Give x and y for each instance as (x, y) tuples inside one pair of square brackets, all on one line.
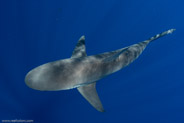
[(170, 31)]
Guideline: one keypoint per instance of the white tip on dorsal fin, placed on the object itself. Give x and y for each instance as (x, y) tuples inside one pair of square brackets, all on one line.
[(90, 94), (80, 48)]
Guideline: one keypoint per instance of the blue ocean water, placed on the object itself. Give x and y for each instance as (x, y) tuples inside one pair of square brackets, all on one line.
[(150, 90)]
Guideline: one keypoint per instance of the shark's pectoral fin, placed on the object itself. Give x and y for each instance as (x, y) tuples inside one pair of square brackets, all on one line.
[(80, 48), (90, 94)]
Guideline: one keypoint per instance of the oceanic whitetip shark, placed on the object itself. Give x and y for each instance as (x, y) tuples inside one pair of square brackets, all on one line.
[(82, 71)]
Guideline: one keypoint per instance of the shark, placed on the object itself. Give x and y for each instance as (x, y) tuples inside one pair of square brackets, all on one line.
[(82, 72)]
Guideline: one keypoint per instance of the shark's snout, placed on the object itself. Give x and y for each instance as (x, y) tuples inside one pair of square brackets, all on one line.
[(32, 80), (29, 81)]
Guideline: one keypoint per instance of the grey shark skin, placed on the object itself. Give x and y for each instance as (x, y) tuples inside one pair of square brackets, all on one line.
[(82, 71)]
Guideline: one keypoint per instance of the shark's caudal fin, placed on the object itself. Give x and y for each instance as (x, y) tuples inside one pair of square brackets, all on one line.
[(90, 94), (160, 35), (140, 44), (87, 91)]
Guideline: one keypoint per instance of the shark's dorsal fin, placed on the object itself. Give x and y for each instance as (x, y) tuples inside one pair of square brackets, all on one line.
[(80, 48), (90, 94)]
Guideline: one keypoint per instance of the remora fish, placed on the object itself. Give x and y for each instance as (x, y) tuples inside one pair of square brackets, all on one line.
[(82, 71)]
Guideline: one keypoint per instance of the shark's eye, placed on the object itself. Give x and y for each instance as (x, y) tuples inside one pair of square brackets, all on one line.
[(127, 53)]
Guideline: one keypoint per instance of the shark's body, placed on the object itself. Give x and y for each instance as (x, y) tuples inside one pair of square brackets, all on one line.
[(82, 71)]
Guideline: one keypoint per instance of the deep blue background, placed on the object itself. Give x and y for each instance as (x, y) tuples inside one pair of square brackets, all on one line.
[(150, 90)]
